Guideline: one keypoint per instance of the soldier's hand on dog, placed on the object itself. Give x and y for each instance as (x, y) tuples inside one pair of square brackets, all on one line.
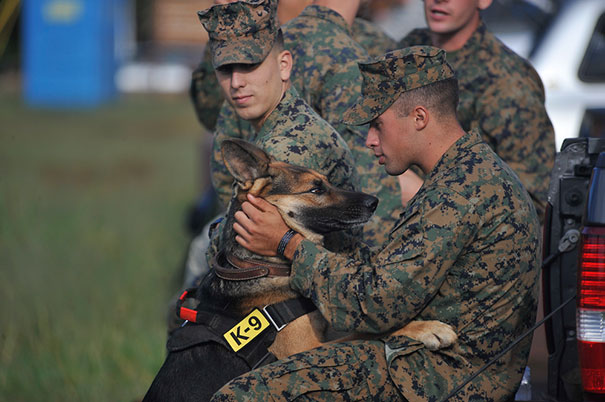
[(260, 227)]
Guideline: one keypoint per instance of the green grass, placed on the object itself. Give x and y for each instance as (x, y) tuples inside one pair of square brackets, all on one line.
[(92, 205)]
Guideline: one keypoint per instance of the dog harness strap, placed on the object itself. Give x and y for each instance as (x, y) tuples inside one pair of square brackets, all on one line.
[(281, 314), (215, 326), (257, 353), (216, 320)]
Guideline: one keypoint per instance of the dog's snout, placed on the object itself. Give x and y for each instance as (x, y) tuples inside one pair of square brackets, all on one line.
[(371, 202)]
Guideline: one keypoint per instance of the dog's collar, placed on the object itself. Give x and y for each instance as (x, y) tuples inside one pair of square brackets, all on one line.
[(232, 268)]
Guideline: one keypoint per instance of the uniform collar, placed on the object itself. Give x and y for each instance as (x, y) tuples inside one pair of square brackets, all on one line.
[(327, 14), (286, 101), (451, 157), (472, 44), (446, 163)]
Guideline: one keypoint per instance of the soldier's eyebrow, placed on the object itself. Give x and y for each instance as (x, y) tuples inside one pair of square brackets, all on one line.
[(375, 122)]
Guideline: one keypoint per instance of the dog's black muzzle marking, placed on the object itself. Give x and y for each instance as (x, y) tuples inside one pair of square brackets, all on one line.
[(355, 212)]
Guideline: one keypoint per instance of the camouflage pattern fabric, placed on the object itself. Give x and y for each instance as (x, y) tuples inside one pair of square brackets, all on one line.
[(228, 125), (206, 94), (502, 95), (352, 371), (466, 251), (386, 78), (325, 63), (373, 39), (241, 32), (326, 74)]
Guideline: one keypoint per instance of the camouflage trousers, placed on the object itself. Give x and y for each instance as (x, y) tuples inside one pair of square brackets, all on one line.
[(351, 371)]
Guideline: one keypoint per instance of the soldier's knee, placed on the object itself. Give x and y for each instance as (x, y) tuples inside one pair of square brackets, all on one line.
[(222, 396), (226, 394), (246, 388)]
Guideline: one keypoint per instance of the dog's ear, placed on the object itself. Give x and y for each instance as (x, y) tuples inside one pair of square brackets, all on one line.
[(244, 160)]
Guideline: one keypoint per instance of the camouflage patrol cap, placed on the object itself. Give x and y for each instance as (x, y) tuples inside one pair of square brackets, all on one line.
[(241, 32), (387, 77)]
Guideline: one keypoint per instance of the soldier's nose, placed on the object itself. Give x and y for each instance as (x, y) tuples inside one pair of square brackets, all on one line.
[(237, 79), (372, 138)]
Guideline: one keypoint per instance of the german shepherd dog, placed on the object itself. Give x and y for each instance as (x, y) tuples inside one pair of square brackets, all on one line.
[(199, 362)]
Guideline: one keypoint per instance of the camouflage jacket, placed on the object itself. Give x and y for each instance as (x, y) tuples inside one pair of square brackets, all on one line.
[(205, 92), (503, 96), (228, 125), (325, 60), (466, 252), (373, 39)]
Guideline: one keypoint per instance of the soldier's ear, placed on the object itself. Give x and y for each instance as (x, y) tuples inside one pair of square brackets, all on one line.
[(421, 117), (285, 64)]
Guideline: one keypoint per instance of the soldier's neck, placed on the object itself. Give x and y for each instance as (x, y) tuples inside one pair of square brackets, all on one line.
[(258, 123)]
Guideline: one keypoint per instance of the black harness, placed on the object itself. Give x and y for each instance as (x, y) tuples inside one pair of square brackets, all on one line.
[(249, 337)]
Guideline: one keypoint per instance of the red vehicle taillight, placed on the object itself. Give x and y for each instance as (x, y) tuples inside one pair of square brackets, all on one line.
[(591, 309)]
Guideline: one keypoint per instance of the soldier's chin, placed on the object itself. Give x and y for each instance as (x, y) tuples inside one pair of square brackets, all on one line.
[(392, 171), (244, 112)]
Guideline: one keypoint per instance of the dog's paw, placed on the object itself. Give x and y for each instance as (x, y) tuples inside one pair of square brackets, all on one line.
[(433, 334)]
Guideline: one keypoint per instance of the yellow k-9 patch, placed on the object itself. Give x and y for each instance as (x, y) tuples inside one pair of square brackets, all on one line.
[(246, 330)]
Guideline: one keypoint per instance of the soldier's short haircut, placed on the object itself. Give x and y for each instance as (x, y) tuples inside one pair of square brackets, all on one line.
[(279, 41), (440, 97)]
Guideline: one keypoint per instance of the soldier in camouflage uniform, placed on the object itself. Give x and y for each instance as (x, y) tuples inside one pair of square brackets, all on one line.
[(326, 75), (253, 70), (465, 251), (500, 92), (373, 39), (205, 92)]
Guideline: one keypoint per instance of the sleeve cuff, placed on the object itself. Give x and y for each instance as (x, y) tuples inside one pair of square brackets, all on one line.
[(302, 271)]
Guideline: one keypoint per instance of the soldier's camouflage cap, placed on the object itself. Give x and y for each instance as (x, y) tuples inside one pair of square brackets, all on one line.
[(241, 32), (387, 77)]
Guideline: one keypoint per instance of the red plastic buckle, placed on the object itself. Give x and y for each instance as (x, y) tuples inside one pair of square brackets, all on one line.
[(184, 312)]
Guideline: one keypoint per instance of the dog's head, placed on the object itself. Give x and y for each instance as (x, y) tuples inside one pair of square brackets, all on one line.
[(305, 199)]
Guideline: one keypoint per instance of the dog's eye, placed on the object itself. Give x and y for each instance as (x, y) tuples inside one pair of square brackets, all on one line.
[(317, 190)]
